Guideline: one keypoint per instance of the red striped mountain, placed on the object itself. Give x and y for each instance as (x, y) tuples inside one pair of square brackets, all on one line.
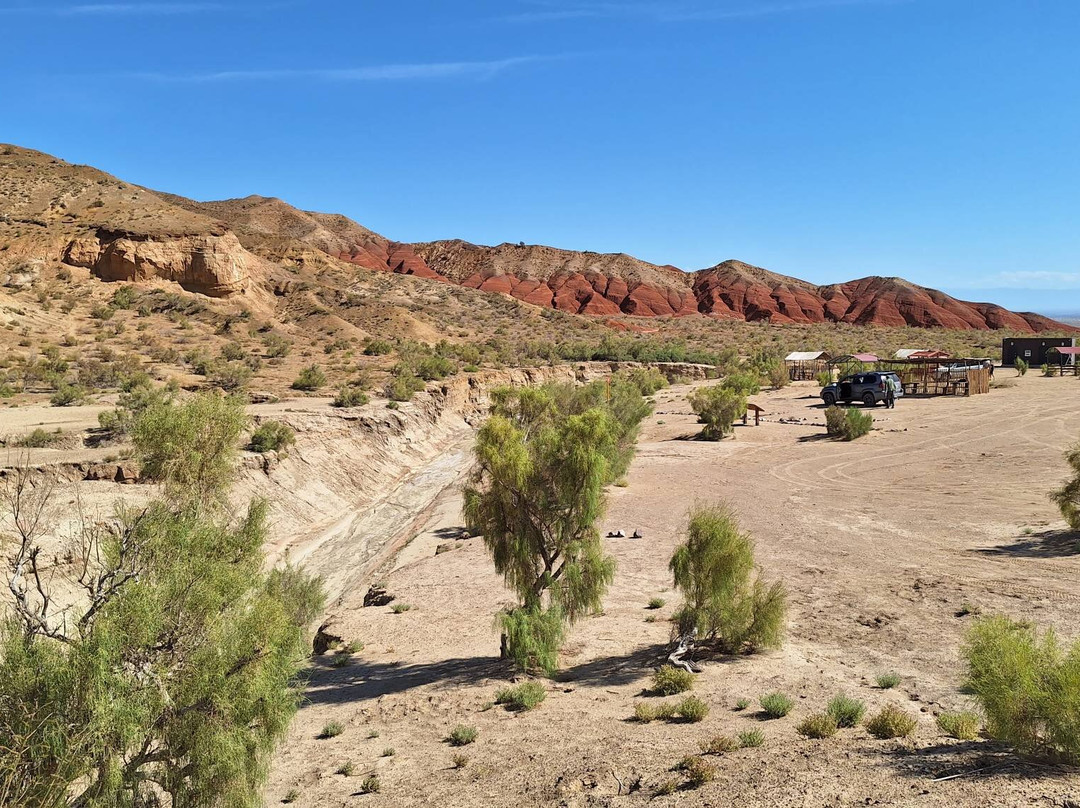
[(612, 283), (122, 232)]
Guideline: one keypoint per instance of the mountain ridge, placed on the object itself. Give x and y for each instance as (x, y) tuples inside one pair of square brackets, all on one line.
[(123, 231)]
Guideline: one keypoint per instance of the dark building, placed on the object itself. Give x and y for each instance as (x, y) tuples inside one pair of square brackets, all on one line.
[(1032, 349)]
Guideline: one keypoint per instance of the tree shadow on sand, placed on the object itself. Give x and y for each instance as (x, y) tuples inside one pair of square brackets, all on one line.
[(616, 670), (361, 679), (967, 760), (1044, 544)]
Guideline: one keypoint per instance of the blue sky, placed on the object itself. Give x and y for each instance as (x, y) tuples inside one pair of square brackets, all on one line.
[(937, 140)]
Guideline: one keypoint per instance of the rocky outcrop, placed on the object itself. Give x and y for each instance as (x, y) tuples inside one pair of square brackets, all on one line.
[(215, 265)]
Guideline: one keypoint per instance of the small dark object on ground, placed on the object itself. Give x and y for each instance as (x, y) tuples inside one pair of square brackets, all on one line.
[(324, 640), (377, 596)]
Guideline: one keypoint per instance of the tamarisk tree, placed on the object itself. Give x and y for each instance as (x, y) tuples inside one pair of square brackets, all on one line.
[(727, 602), (171, 673), (543, 461), (1067, 498)]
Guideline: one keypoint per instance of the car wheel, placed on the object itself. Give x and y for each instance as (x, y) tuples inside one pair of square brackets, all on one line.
[(829, 399), (869, 400)]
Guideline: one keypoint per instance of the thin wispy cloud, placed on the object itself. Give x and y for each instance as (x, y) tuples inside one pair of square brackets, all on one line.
[(682, 11), (370, 73), (116, 9)]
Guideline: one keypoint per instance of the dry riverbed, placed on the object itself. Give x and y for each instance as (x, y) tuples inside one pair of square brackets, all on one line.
[(883, 544)]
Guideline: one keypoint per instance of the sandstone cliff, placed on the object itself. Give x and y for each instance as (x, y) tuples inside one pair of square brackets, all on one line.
[(207, 264), (76, 214)]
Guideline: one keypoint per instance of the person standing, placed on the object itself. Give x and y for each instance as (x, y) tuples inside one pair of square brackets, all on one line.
[(890, 392)]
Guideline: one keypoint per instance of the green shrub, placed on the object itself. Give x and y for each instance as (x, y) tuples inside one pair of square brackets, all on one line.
[(1027, 685), (331, 730), (692, 709), (656, 603), (776, 704), (887, 681), (666, 788), (38, 439), (824, 378), (719, 745), (778, 375), (726, 600), (717, 408), (646, 380), (346, 769), (67, 394), (523, 697), (431, 368), (669, 680), (1021, 366), (310, 379), (388, 751), (459, 761), (292, 795), (276, 346), (742, 704), (891, 722), (233, 352), (847, 712), (698, 771), (403, 387), (751, 739), (644, 712), (835, 419), (377, 347), (370, 785), (350, 396), (400, 608), (201, 363), (963, 726), (847, 423), (743, 384), (272, 436), (230, 376), (820, 725), (124, 297), (1067, 498), (462, 735)]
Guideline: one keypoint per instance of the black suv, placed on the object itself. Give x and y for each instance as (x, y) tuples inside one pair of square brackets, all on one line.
[(869, 388)]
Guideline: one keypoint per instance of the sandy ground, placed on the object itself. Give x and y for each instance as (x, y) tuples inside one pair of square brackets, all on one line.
[(880, 542)]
